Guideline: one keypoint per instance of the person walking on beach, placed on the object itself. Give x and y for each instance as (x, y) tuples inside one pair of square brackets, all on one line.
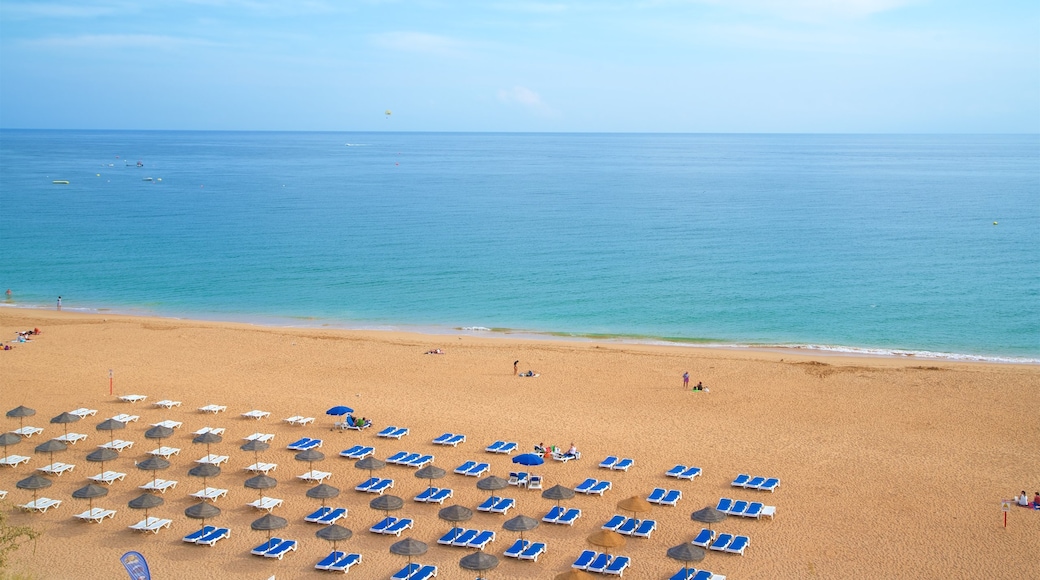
[(516, 367), (59, 302), (685, 380)]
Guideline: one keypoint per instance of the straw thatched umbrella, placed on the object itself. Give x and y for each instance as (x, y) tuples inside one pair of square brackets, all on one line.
[(205, 471), (708, 515), (101, 455), (21, 412), (635, 504), (256, 446), (479, 561), (89, 492), (310, 456), (202, 511), (607, 539), (268, 523), (64, 419), (521, 524), (323, 491), (208, 438), (334, 533), (492, 483), (370, 463), (154, 464), (9, 439), (145, 502), (455, 514), (50, 447), (430, 472), (686, 553), (159, 432), (34, 482), (386, 503), (261, 482), (111, 425), (409, 547), (558, 492), (575, 574)]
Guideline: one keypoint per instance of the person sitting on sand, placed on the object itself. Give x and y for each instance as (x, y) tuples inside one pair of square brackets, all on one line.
[(1023, 500), (540, 449), (1036, 501), (699, 386)]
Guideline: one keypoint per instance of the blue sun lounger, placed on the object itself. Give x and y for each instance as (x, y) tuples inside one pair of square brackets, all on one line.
[(464, 538), (769, 484), (703, 538), (317, 514), (623, 464), (407, 572), (393, 432), (397, 457), (443, 439), (675, 471), (462, 469), (586, 485), (738, 545), (724, 504), (645, 528), (516, 549), (754, 482), (266, 546), (344, 563), (599, 564), (532, 552), (484, 538), (721, 542), (608, 462), (501, 447), (693, 574), (368, 483), (614, 523), (450, 536), (332, 516), (584, 559), (601, 487), (424, 573), (617, 566), (281, 549), (569, 517), (381, 486), (754, 510), (690, 473), (503, 505), (194, 536), (408, 459), (478, 470), (494, 447), (329, 560), (553, 515), (656, 495), (304, 444), (386, 431), (671, 497), (627, 527), (397, 527), (382, 525), (740, 480), (350, 453), (421, 461), (738, 508), (214, 537), (488, 504)]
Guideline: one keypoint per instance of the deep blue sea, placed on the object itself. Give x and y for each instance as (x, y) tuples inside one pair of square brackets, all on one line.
[(879, 243)]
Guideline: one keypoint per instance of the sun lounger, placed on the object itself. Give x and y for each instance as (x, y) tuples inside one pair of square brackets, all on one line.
[(704, 538), (266, 546), (754, 482), (535, 482), (738, 508), (96, 515), (622, 465), (586, 485), (261, 467), (628, 527), (28, 431), (754, 510), (462, 469), (117, 445), (41, 504), (450, 536), (517, 478), (565, 457), (107, 477), (165, 452), (503, 505), (532, 552), (407, 459), (214, 537), (210, 493), (455, 439), (397, 457), (132, 398), (599, 563), (83, 412), (72, 438), (261, 437), (317, 515), (151, 524), (421, 461), (14, 460), (645, 528), (424, 573), (721, 541), (361, 452), (614, 523), (724, 504), (213, 409), (478, 470), (617, 566), (690, 473), (304, 444), (298, 420), (600, 488), (344, 563), (462, 538), (327, 562), (57, 468), (382, 525), (159, 485), (675, 471), (364, 485), (407, 572), (770, 484), (393, 432), (740, 480), (397, 527), (553, 515), (569, 517), (584, 559), (671, 497), (168, 424), (126, 418), (500, 447), (332, 516), (281, 549), (315, 476), (608, 462), (167, 404), (381, 486), (213, 459), (265, 503), (255, 414), (516, 549), (443, 438), (487, 504), (482, 540), (656, 495), (194, 536), (434, 495), (738, 545)]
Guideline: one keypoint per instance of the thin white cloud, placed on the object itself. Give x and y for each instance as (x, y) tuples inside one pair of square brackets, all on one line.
[(527, 99), (33, 10), (806, 10), (419, 42), (109, 41), (531, 7)]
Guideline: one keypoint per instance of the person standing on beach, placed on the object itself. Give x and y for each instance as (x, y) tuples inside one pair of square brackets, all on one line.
[(516, 367), (59, 302), (685, 380)]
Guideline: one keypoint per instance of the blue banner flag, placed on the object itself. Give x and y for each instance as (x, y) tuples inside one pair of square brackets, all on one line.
[(136, 566)]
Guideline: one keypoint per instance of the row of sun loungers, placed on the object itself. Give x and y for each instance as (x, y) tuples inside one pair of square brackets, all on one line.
[(261, 437), (761, 483), (304, 443), (165, 452), (213, 430), (358, 452), (265, 503), (28, 431), (660, 496), (210, 493), (391, 526), (410, 459), (338, 562), (96, 515), (274, 548), (415, 572), (151, 524), (375, 485), (501, 447), (41, 504), (126, 418), (14, 460), (467, 538), (57, 468), (602, 563), (207, 536), (683, 472), (315, 476), (83, 412), (393, 432), (326, 515), (496, 505), (525, 550), (213, 459), (213, 409), (524, 479), (107, 477), (71, 438), (434, 495), (452, 439), (117, 445), (562, 516), (695, 574), (261, 467), (168, 424), (593, 486), (745, 509), (630, 526), (159, 485), (299, 420), (614, 463), (473, 469)]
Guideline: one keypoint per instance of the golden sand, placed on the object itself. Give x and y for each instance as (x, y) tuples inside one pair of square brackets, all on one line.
[(889, 468)]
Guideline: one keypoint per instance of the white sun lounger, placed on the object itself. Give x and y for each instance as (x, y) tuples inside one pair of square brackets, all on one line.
[(57, 468), (14, 460), (117, 445), (28, 431), (41, 504), (126, 418), (299, 420), (315, 476), (213, 430), (151, 524), (261, 467), (213, 409), (213, 458), (265, 503), (167, 404), (159, 485), (210, 493), (254, 414), (261, 437), (165, 452), (72, 438), (133, 398), (107, 477), (3, 494), (96, 515), (168, 424), (83, 412)]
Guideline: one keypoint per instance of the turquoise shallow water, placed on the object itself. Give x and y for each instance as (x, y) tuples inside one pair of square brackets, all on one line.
[(874, 243)]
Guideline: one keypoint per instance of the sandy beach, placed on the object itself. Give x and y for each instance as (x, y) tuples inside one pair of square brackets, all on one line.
[(888, 467)]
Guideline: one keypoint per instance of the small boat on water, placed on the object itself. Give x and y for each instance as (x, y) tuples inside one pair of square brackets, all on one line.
[(60, 182), (147, 179)]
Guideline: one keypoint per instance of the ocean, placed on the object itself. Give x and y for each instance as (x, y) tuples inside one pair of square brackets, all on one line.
[(924, 245)]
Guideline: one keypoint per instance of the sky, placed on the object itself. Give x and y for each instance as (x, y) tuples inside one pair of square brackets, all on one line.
[(691, 66)]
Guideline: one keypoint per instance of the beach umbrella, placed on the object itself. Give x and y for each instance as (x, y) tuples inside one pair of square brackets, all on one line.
[(370, 463), (208, 439), (205, 471), (386, 503), (153, 464), (455, 514), (408, 547), (21, 412), (34, 482), (607, 539), (339, 410), (528, 459), (686, 553), (310, 456), (430, 472), (492, 483), (89, 493), (9, 439), (575, 574), (261, 482), (635, 504), (334, 533), (479, 561), (202, 511), (159, 432), (101, 455), (520, 524), (64, 419), (111, 425), (708, 515), (256, 446), (323, 491), (145, 502), (558, 492), (268, 523), (50, 447)]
